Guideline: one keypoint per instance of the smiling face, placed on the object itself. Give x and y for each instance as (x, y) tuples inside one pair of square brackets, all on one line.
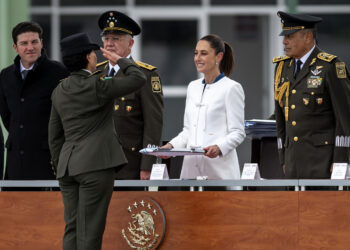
[(28, 47), (297, 44), (205, 59), (118, 43)]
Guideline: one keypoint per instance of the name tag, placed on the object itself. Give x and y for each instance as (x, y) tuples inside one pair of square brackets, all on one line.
[(340, 171), (250, 172), (159, 172)]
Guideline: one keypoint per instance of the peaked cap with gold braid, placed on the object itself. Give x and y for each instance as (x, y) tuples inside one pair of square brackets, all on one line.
[(117, 22)]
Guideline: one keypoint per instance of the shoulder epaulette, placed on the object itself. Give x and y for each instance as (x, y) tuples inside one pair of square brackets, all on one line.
[(145, 65), (325, 56), (94, 73), (101, 63), (280, 58)]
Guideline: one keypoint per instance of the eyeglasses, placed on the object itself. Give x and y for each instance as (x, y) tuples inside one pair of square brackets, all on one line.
[(113, 39)]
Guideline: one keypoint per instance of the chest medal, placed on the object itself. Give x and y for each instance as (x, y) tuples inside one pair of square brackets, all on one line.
[(314, 82)]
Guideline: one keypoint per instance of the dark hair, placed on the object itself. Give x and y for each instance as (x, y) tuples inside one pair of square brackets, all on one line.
[(76, 62), (24, 27), (227, 62)]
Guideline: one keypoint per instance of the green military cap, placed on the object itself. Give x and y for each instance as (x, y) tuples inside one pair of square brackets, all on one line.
[(294, 22), (117, 22)]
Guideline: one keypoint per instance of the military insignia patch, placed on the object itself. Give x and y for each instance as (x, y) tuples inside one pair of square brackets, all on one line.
[(306, 101), (325, 56), (314, 82), (313, 61), (144, 225), (316, 72), (128, 108), (341, 70), (319, 101), (280, 58), (156, 86)]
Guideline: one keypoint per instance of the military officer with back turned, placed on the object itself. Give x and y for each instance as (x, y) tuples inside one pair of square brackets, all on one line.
[(138, 117), (312, 102)]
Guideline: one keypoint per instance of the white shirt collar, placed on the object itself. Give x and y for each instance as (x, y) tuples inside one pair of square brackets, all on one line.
[(306, 56), (116, 67), (87, 71), (23, 68)]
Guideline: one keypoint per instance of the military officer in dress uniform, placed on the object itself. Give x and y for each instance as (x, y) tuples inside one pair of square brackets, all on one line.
[(138, 116), (312, 102)]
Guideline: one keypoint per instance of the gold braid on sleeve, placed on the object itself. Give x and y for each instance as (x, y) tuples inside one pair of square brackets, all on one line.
[(279, 91)]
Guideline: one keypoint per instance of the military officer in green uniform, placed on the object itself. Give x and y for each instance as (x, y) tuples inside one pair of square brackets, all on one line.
[(84, 146), (138, 117), (312, 102)]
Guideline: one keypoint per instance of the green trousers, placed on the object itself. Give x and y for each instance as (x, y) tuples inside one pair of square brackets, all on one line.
[(86, 198)]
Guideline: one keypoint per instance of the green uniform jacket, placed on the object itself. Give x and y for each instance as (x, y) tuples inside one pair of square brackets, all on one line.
[(82, 136), (312, 115), (138, 119)]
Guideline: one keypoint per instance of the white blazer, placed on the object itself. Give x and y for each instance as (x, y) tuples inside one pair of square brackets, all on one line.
[(213, 116)]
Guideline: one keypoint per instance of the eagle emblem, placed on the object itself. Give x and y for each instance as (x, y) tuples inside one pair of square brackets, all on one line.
[(143, 230)]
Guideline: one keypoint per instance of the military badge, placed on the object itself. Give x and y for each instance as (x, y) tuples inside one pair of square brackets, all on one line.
[(156, 86), (316, 72), (146, 226), (313, 61), (290, 63), (314, 82), (306, 101), (341, 70), (319, 101), (128, 108), (319, 67), (116, 107)]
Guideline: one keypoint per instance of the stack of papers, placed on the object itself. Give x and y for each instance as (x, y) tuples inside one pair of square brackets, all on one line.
[(155, 151), (260, 128)]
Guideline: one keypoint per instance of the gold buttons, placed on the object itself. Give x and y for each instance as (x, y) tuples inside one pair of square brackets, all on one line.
[(293, 106), (326, 142), (116, 107), (294, 91), (294, 123), (133, 149), (295, 138), (312, 93), (123, 99)]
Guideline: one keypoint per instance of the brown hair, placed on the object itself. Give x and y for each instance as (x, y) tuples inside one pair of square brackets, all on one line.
[(24, 27), (227, 62)]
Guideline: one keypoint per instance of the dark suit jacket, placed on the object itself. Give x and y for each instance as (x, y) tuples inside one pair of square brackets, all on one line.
[(25, 110), (138, 119), (1, 154), (317, 131), (82, 136)]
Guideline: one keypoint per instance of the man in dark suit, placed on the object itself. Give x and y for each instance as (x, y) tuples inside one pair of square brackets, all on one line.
[(138, 117), (82, 138), (1, 154), (25, 90), (312, 107)]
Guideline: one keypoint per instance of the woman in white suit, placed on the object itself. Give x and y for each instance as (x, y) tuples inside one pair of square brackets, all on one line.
[(214, 114)]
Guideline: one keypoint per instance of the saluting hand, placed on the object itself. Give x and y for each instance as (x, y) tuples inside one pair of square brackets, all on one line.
[(111, 56)]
